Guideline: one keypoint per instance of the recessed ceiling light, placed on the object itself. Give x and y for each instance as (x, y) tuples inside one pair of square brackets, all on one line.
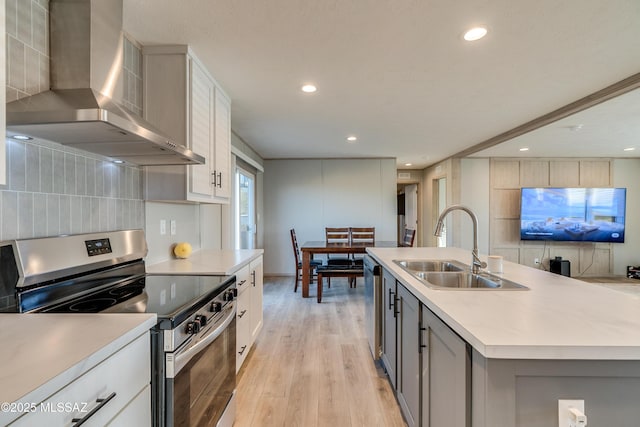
[(630, 149), (118, 162), (475, 34), (309, 88), (22, 137), (524, 149), (352, 138), (576, 128), (408, 164)]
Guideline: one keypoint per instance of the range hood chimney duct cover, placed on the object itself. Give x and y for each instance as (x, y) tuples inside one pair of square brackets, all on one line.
[(83, 109)]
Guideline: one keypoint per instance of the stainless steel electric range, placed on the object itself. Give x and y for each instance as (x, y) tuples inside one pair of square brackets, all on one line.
[(193, 343)]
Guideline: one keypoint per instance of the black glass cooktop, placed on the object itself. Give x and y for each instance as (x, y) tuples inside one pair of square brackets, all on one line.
[(172, 298)]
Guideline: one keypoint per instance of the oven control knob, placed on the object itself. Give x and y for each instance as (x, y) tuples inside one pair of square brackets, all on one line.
[(228, 295), (201, 319), (216, 307), (193, 327)]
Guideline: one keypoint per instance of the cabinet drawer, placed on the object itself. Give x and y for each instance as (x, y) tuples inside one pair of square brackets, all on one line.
[(243, 280), (125, 374), (243, 328), (136, 413)]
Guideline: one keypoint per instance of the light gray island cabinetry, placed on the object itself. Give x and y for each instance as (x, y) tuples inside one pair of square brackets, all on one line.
[(504, 358), (428, 364)]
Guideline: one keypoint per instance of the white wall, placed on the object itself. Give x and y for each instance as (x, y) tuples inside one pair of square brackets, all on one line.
[(309, 195), (474, 193), (626, 173), (187, 217)]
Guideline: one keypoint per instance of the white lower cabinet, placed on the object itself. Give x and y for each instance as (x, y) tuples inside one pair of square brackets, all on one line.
[(114, 392), (249, 281), (243, 323)]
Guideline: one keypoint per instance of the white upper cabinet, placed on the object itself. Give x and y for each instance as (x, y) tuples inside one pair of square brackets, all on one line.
[(182, 99)]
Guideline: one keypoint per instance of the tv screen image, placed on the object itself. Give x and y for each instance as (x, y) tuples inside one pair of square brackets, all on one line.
[(573, 214)]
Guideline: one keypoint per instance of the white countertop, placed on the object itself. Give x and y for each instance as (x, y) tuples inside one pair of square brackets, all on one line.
[(207, 261), (557, 318), (41, 353)]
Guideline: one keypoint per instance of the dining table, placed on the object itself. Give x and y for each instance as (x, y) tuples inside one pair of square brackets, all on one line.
[(316, 247)]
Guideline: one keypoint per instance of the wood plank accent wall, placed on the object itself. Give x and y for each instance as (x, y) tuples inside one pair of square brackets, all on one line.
[(508, 176)]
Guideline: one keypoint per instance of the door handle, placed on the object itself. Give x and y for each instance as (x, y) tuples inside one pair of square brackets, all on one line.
[(421, 344)]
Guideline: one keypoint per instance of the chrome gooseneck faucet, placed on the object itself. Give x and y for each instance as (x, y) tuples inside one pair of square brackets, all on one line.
[(476, 264)]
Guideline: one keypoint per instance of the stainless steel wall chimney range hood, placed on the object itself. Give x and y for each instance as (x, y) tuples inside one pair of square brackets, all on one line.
[(82, 109)]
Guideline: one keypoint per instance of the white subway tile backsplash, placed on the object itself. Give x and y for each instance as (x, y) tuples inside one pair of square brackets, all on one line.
[(39, 215), (15, 64), (46, 170), (53, 214), (24, 21), (25, 215), (76, 214), (17, 165), (9, 215), (65, 214), (32, 70), (11, 9), (32, 168), (69, 173), (40, 28), (58, 172)]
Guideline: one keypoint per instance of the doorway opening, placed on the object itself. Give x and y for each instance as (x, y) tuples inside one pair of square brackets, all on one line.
[(440, 204), (409, 211)]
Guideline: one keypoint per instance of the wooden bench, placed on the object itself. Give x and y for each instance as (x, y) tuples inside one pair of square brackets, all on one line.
[(350, 271)]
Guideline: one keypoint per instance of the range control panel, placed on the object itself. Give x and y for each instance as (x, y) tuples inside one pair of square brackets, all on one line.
[(98, 247)]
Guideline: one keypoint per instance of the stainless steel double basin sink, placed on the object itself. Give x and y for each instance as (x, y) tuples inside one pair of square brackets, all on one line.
[(451, 274)]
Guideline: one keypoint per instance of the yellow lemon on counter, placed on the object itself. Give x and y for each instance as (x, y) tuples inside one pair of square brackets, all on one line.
[(182, 250)]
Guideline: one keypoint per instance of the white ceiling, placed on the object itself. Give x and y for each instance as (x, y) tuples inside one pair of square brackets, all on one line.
[(396, 73)]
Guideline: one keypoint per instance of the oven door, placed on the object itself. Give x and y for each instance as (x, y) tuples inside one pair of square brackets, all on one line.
[(201, 379)]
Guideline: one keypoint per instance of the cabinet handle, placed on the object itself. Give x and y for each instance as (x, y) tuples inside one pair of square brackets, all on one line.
[(213, 178), (395, 306), (244, 347), (390, 298), (100, 404), (242, 282), (253, 278), (420, 344), (219, 179), (242, 313)]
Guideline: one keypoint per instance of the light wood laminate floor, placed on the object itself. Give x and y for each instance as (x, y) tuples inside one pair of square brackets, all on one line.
[(311, 364)]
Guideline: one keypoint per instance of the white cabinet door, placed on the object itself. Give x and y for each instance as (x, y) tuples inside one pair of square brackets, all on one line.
[(182, 99), (243, 321), (222, 146), (408, 388), (201, 113), (256, 267)]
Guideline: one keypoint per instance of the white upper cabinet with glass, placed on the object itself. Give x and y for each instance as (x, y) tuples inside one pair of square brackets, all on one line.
[(182, 99)]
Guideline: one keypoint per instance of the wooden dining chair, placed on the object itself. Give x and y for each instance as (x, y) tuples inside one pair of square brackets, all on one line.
[(407, 240), (337, 235), (313, 264), (366, 235)]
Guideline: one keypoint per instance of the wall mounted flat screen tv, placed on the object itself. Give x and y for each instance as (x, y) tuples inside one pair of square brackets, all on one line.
[(573, 214)]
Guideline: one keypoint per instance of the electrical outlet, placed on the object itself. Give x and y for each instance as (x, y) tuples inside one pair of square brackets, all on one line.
[(564, 419), (173, 227), (536, 261), (163, 227)]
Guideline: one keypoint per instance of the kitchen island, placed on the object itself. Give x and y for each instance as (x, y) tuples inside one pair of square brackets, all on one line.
[(43, 354), (560, 339)]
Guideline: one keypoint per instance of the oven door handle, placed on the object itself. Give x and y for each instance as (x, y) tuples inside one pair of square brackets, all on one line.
[(183, 357)]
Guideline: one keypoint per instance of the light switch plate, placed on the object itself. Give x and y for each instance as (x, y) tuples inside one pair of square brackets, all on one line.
[(163, 227), (173, 227)]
